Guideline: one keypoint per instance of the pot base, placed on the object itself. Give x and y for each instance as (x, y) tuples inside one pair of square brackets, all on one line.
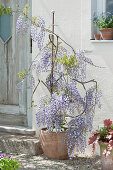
[(107, 162), (53, 144)]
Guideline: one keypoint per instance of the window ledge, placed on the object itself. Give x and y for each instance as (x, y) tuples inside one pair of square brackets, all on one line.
[(101, 41)]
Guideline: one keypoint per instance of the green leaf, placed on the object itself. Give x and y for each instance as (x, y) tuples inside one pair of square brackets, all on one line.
[(59, 43), (5, 11), (27, 5), (68, 61), (111, 127), (103, 133), (34, 19), (25, 11)]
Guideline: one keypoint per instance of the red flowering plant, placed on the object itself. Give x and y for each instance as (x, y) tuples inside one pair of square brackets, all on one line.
[(105, 135)]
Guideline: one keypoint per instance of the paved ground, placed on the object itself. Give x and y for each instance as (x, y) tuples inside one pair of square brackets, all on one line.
[(43, 163)]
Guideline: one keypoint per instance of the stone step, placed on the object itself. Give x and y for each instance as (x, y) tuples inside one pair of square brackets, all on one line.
[(17, 130), (12, 119), (20, 144)]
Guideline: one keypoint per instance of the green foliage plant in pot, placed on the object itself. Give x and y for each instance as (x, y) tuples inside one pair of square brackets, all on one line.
[(8, 163), (104, 136), (66, 111), (104, 22)]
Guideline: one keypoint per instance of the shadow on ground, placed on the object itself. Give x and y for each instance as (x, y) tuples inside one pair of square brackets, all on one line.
[(43, 163)]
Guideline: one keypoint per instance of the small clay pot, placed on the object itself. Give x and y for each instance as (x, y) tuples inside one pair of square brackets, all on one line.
[(97, 36), (106, 161), (53, 144), (106, 33)]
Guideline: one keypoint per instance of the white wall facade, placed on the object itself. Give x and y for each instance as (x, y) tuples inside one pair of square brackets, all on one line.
[(73, 23)]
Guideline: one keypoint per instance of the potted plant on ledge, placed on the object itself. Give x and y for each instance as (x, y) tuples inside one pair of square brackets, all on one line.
[(66, 110), (105, 24), (104, 136)]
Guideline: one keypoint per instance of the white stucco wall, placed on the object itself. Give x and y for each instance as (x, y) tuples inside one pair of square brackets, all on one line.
[(73, 23)]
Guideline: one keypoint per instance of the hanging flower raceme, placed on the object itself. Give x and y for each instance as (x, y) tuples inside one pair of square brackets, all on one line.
[(50, 112), (38, 32), (76, 135), (21, 25)]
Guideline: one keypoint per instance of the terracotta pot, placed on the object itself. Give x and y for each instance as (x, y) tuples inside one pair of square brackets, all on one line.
[(53, 144), (107, 162), (97, 36), (106, 33)]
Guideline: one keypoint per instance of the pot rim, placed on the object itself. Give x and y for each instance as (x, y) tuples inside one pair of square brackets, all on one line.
[(100, 142), (106, 29), (96, 34), (45, 131)]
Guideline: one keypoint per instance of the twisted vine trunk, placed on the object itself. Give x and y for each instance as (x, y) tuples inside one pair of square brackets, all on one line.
[(52, 67)]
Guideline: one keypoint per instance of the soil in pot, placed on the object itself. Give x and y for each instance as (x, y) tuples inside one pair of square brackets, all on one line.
[(107, 161), (106, 33), (53, 144)]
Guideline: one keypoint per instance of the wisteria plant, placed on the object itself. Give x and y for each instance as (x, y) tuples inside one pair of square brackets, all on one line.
[(65, 108), (103, 135)]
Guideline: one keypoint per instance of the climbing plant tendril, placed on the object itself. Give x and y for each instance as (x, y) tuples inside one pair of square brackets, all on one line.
[(66, 108)]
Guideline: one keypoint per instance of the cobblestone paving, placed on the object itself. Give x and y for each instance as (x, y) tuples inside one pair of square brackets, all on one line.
[(43, 163)]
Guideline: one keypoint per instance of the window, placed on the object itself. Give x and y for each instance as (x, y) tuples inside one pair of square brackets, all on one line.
[(98, 7), (4, 27), (109, 6)]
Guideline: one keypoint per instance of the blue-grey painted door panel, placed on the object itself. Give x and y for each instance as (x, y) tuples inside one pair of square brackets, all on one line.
[(5, 27)]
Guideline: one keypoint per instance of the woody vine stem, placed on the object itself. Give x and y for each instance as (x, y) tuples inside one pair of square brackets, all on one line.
[(53, 63)]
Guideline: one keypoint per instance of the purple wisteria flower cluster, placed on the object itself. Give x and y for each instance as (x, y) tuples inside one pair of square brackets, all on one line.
[(66, 108), (21, 25), (36, 35)]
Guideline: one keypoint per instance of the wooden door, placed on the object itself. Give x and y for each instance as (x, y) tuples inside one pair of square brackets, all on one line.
[(14, 53)]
